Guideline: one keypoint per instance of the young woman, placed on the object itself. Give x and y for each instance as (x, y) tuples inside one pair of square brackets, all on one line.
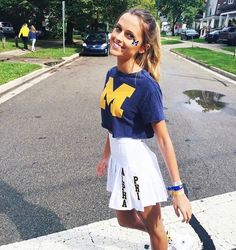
[(132, 110), (24, 33), (32, 37)]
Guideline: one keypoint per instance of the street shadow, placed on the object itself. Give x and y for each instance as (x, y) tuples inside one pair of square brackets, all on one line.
[(205, 238), (30, 220), (92, 55)]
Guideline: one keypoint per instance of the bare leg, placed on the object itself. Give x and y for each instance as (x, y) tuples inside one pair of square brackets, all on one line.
[(130, 219), (152, 220)]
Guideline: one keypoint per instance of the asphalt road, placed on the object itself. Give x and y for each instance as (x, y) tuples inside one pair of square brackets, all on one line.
[(51, 140)]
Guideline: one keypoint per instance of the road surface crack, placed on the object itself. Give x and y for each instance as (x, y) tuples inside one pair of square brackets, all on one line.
[(90, 235)]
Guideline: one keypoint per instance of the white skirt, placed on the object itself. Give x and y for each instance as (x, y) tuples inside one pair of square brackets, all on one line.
[(134, 177)]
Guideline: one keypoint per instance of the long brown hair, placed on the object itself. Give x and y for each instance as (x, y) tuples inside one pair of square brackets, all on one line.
[(33, 29), (150, 59)]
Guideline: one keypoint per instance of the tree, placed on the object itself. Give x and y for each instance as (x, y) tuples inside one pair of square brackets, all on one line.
[(23, 11), (191, 13), (87, 15), (149, 5), (83, 15), (176, 10), (107, 12)]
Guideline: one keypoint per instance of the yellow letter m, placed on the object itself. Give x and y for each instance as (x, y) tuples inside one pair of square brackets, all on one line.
[(115, 98)]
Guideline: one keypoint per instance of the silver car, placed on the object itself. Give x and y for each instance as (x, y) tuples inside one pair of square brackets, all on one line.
[(7, 29)]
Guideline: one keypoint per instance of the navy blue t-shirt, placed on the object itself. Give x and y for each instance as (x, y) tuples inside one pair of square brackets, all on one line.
[(130, 103)]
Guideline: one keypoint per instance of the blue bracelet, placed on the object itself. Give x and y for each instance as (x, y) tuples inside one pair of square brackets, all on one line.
[(175, 188)]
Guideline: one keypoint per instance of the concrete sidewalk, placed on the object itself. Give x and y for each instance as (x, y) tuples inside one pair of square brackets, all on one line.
[(212, 227), (212, 46), (14, 55)]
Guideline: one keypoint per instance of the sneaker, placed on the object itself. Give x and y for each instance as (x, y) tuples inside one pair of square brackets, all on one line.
[(182, 242)]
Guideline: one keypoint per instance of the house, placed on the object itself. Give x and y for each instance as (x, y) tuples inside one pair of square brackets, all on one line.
[(209, 20), (226, 9), (218, 14)]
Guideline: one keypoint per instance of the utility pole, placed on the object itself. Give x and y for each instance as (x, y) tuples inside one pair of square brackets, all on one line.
[(63, 25), (234, 50), (234, 43)]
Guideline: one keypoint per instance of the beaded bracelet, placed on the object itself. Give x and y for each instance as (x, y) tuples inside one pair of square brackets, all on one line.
[(175, 188), (176, 183)]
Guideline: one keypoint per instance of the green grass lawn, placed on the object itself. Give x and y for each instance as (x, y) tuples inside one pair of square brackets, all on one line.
[(11, 70), (165, 40), (229, 48), (10, 45), (170, 37), (217, 59), (199, 40), (170, 41), (45, 49), (53, 53)]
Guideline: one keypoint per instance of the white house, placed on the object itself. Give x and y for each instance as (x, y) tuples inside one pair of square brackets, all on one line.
[(226, 9), (209, 20), (218, 14)]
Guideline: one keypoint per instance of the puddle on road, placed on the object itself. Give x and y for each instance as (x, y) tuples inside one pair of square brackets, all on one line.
[(204, 101)]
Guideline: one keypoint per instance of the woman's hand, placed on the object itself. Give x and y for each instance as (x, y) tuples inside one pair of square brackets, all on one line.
[(102, 166), (103, 163), (182, 204)]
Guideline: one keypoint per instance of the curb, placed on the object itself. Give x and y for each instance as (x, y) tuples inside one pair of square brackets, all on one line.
[(22, 80), (217, 70)]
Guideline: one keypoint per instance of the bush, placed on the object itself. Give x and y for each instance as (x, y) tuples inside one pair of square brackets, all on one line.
[(55, 30)]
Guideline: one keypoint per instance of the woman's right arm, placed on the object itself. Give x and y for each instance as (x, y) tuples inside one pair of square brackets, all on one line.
[(103, 163)]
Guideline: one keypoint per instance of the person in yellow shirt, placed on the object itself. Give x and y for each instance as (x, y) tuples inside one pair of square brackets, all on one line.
[(24, 33)]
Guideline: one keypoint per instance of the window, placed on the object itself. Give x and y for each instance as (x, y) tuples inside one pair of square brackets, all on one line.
[(230, 1)]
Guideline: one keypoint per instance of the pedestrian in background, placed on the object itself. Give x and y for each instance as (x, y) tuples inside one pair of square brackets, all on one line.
[(32, 37), (16, 38), (16, 41), (24, 33), (2, 38), (132, 110)]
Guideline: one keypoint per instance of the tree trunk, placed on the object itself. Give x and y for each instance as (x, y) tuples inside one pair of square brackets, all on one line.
[(69, 33), (173, 28), (173, 25)]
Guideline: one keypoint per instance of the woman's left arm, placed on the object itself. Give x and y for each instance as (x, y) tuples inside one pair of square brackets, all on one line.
[(180, 202)]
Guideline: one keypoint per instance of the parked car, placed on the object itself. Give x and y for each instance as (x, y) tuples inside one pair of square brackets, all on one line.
[(7, 29), (212, 36), (189, 34), (228, 35), (96, 43), (232, 38)]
